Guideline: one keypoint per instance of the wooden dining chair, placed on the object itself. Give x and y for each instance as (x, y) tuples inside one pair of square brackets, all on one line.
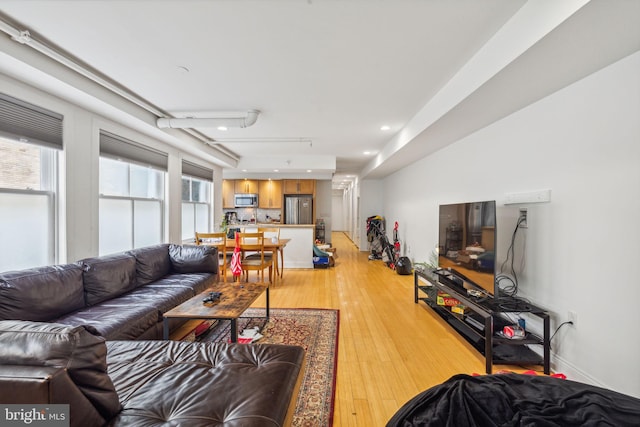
[(269, 233), (219, 240), (253, 243)]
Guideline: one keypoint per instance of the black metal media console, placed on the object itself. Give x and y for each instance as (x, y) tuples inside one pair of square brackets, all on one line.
[(481, 319)]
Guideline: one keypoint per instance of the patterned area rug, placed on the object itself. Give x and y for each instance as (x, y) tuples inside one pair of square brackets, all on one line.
[(316, 330)]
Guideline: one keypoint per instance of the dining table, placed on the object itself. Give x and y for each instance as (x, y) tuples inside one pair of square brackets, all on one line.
[(275, 246)]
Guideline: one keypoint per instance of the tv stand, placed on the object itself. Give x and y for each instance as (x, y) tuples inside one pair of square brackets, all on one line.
[(483, 317)]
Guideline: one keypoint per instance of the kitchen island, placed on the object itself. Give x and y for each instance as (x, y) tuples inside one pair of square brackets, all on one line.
[(299, 251)]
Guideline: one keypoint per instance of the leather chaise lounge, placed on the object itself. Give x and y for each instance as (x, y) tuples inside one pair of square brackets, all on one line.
[(148, 383)]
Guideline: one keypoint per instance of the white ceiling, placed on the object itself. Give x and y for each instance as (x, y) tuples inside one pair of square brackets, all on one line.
[(327, 74)]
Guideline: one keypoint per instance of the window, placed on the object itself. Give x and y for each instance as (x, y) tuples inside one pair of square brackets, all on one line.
[(131, 196), (196, 207), (30, 138), (27, 205), (196, 200)]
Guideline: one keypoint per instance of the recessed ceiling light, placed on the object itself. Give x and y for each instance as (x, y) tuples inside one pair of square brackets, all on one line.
[(222, 128), (244, 170), (276, 170), (309, 170), (366, 153), (385, 127)]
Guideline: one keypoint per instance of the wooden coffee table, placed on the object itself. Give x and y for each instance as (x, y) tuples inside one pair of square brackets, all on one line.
[(235, 298)]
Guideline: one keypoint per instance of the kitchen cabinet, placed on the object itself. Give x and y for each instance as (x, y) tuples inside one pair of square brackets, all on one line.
[(270, 194), (228, 193), (246, 186), (299, 186)]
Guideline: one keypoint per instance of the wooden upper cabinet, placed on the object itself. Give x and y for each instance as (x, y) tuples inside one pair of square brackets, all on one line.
[(246, 186), (299, 186), (228, 192), (270, 194)]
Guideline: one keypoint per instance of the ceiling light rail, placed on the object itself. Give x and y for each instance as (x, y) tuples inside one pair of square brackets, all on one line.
[(264, 141)]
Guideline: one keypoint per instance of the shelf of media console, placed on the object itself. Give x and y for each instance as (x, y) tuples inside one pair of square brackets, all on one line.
[(481, 324)]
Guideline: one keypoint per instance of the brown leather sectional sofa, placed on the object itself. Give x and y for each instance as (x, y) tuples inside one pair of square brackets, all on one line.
[(86, 334), (122, 296)]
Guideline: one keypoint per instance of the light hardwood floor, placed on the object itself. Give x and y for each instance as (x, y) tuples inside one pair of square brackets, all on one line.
[(389, 349)]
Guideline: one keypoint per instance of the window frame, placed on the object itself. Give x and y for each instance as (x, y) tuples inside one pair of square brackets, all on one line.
[(208, 204), (50, 181), (134, 199)]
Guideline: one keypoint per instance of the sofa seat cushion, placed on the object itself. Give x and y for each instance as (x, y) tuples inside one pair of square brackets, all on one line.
[(108, 276), (197, 282), (219, 384), (152, 263), (160, 298), (41, 294), (82, 356), (115, 319)]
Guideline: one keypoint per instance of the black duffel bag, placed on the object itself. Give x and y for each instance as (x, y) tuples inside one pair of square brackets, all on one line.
[(403, 265)]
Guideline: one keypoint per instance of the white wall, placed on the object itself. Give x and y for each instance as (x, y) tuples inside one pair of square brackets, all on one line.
[(323, 206), (583, 143), (339, 214), (371, 203)]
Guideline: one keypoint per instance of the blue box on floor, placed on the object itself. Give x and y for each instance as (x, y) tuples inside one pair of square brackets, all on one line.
[(320, 262)]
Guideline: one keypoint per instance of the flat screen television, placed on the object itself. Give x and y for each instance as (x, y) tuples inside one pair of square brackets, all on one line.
[(467, 245)]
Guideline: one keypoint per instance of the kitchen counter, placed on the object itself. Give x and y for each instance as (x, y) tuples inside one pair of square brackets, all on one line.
[(299, 251), (279, 225), (271, 224)]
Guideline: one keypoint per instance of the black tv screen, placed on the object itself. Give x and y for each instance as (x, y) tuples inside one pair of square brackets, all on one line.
[(467, 243)]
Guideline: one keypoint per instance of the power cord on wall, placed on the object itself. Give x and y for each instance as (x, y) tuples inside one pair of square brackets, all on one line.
[(511, 290)]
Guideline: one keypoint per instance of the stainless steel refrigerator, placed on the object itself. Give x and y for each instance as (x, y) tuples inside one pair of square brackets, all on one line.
[(298, 209)]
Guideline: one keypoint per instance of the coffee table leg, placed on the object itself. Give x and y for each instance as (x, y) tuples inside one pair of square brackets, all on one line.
[(234, 330), (165, 328), (267, 302)]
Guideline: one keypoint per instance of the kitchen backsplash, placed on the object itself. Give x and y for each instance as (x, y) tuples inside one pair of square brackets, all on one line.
[(248, 215)]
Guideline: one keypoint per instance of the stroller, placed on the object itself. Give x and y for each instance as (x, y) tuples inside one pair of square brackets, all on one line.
[(380, 246)]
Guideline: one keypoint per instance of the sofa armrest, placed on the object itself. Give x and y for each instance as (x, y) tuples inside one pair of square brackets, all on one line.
[(82, 356), (34, 385)]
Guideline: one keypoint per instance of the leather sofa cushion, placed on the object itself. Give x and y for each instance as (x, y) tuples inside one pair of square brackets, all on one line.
[(219, 384), (161, 298), (108, 276), (193, 259), (41, 294), (152, 263), (197, 282), (116, 319), (82, 354)]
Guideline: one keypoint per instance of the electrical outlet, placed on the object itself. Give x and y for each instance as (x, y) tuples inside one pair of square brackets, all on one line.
[(573, 317), (523, 216)]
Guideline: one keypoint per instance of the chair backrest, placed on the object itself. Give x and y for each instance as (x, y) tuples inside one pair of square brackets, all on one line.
[(270, 232), (218, 240), (252, 244), (251, 241)]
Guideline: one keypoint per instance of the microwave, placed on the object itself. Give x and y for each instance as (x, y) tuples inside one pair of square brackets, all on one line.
[(246, 200)]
